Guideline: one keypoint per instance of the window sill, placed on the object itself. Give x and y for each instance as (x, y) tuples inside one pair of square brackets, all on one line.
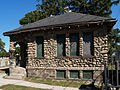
[(58, 78), (62, 57), (88, 56), (87, 79), (67, 57), (73, 78), (39, 57)]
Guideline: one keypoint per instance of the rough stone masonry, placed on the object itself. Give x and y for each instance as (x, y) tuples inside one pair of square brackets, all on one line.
[(50, 65), (46, 66)]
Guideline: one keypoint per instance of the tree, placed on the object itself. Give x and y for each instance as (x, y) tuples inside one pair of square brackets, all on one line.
[(53, 7), (2, 44), (114, 40), (46, 9), (56, 7), (93, 7), (17, 50), (31, 17), (3, 52)]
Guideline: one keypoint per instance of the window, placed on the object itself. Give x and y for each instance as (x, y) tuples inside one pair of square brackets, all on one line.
[(88, 47), (87, 75), (61, 74), (61, 45), (74, 45), (74, 74), (39, 41)]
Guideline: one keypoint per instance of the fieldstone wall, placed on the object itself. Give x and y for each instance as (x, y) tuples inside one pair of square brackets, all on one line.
[(41, 73), (45, 67), (101, 44), (50, 58), (17, 73)]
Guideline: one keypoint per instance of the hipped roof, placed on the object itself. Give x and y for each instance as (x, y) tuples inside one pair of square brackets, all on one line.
[(59, 20)]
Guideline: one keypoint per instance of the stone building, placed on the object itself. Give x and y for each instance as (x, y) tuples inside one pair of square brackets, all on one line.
[(69, 46)]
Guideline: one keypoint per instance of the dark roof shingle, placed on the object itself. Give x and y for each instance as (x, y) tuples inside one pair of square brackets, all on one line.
[(66, 18)]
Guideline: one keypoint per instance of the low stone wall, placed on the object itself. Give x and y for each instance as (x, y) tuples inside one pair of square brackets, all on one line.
[(41, 73), (17, 72), (4, 62), (50, 73)]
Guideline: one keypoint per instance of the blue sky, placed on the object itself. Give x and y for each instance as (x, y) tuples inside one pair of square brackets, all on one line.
[(11, 11)]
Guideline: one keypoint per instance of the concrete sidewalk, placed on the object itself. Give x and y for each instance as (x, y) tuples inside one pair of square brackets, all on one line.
[(30, 84)]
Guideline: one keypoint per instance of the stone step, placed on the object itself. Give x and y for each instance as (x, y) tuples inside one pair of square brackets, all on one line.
[(17, 73), (17, 77)]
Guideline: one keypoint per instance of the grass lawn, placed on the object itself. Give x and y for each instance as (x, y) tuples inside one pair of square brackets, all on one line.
[(55, 82), (17, 87), (76, 84), (1, 71)]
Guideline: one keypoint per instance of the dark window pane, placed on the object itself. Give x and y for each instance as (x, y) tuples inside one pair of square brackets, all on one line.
[(39, 41), (87, 75), (74, 44), (60, 45), (88, 49), (61, 74), (74, 74)]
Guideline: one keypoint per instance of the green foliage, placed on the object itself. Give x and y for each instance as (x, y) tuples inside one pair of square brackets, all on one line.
[(114, 40), (55, 82), (2, 44), (53, 7), (47, 8), (56, 7), (3, 52), (31, 17), (93, 7), (71, 83), (17, 50)]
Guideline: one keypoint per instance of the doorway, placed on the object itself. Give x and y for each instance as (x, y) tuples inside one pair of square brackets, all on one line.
[(21, 54)]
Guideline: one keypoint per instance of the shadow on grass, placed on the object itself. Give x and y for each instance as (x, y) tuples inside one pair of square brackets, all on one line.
[(89, 87)]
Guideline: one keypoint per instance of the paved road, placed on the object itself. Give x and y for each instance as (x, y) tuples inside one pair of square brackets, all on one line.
[(30, 84)]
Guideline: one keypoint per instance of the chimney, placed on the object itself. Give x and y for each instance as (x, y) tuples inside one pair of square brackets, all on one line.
[(66, 10)]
